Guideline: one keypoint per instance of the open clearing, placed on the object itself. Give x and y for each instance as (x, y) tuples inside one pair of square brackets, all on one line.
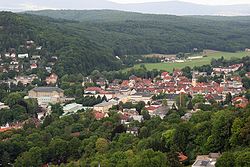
[(197, 62)]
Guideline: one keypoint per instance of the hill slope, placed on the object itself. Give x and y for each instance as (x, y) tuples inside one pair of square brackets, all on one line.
[(94, 38), (76, 52)]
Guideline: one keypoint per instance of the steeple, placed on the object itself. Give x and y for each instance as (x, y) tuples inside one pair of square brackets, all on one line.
[(194, 80)]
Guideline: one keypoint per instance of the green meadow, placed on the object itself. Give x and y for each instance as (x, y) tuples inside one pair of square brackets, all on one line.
[(197, 62)]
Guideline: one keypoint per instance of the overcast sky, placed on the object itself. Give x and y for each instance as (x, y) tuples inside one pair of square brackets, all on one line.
[(207, 2), (96, 4)]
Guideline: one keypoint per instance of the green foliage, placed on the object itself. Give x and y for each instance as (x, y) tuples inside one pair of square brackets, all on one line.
[(198, 99), (91, 40), (101, 145), (13, 98)]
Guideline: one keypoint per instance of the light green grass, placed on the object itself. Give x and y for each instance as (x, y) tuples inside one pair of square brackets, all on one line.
[(198, 62)]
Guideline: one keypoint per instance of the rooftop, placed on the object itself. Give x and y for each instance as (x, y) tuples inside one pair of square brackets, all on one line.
[(47, 89)]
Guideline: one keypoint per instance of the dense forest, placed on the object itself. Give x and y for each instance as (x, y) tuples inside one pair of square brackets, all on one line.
[(87, 40)]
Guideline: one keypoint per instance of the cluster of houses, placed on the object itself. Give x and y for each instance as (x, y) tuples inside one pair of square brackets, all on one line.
[(26, 80), (27, 58), (12, 60)]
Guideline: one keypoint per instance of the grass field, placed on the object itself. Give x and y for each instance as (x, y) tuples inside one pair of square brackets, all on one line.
[(198, 62)]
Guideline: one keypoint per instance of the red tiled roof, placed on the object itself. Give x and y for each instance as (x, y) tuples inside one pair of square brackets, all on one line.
[(182, 157), (99, 115), (164, 74), (5, 129), (151, 108), (93, 89)]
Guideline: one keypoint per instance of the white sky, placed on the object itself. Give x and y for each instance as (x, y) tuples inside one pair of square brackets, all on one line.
[(207, 2)]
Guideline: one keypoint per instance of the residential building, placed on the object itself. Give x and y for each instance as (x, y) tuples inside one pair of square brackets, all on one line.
[(104, 106), (206, 160), (52, 79), (22, 56), (25, 80), (3, 106), (100, 115), (240, 102)]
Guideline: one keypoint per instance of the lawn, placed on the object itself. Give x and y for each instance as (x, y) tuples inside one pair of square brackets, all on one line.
[(198, 62)]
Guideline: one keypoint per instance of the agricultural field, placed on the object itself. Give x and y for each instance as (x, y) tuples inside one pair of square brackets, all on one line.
[(197, 62)]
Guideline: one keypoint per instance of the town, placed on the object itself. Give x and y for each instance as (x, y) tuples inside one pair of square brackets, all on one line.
[(134, 99), (111, 88)]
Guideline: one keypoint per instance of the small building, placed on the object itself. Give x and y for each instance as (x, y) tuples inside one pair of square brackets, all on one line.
[(206, 160), (72, 108), (92, 90), (133, 130), (25, 80), (104, 106), (248, 75), (52, 79), (22, 56), (48, 69), (3, 106), (100, 115), (138, 118), (33, 66), (240, 102)]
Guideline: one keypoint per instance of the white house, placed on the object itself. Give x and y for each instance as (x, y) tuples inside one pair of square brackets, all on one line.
[(22, 56)]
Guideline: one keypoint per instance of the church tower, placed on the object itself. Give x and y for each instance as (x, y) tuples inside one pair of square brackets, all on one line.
[(194, 80)]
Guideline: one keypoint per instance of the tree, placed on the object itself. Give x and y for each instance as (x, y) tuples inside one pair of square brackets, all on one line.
[(5, 159), (104, 98), (242, 159), (198, 99), (228, 99), (168, 138), (181, 100), (221, 130), (235, 138), (139, 106), (13, 98), (190, 105), (59, 150), (101, 145), (165, 102), (226, 160), (144, 132), (57, 109), (145, 114), (248, 94), (31, 158), (148, 158)]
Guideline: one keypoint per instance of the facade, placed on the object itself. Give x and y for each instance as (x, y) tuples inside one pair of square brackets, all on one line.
[(46, 95), (104, 106), (137, 97)]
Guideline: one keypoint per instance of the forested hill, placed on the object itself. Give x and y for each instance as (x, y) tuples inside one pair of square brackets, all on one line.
[(87, 40), (136, 33), (76, 52)]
